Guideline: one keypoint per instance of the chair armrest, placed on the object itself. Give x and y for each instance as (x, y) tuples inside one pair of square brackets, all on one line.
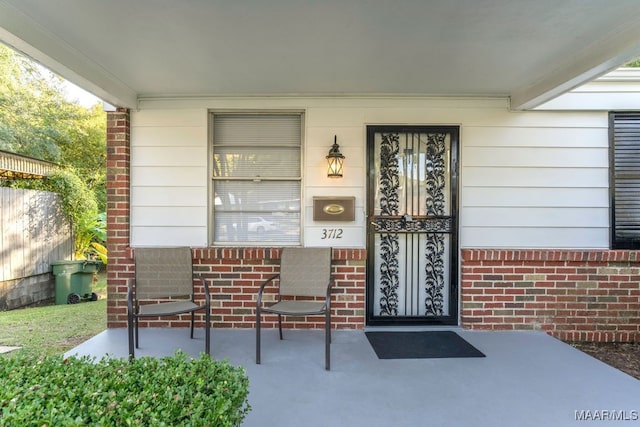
[(332, 282), (207, 294), (265, 283)]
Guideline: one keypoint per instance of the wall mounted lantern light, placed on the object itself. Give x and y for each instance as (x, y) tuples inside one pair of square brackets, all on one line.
[(335, 159)]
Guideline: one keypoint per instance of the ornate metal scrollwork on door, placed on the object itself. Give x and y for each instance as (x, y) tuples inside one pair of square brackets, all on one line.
[(435, 245), (428, 225), (389, 247), (412, 223), (412, 229)]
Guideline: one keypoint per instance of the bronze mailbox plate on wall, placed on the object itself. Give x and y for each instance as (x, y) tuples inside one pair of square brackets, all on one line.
[(334, 208)]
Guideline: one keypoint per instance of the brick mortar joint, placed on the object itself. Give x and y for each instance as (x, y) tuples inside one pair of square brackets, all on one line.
[(550, 255)]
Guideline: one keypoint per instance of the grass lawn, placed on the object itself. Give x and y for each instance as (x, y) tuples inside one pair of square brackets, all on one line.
[(54, 329)]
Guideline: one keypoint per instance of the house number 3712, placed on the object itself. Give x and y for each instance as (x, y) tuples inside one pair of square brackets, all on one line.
[(331, 233)]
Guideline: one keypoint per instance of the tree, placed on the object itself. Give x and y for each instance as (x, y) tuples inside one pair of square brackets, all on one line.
[(635, 63), (23, 100), (36, 120), (86, 151)]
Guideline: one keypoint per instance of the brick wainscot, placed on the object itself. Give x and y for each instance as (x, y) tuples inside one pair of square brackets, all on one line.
[(590, 295), (234, 276)]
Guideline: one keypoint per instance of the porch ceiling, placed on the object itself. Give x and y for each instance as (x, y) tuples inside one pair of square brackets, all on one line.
[(123, 50)]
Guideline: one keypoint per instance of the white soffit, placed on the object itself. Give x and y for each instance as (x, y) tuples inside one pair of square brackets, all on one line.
[(123, 50)]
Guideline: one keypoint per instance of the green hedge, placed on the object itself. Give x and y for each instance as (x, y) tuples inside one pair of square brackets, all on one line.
[(171, 391)]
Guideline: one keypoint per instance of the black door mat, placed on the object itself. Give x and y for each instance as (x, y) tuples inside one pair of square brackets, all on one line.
[(420, 345)]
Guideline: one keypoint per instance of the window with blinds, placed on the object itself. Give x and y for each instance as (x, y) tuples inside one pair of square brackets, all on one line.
[(624, 134), (256, 178)]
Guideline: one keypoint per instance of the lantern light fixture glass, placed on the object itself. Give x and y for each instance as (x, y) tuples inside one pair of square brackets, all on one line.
[(335, 160)]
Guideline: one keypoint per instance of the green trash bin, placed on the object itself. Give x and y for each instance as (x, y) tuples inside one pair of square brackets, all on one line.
[(74, 280)]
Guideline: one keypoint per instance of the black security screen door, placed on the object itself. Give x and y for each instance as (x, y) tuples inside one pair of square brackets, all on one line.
[(412, 239)]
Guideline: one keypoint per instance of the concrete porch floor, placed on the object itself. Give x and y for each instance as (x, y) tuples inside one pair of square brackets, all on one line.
[(527, 379)]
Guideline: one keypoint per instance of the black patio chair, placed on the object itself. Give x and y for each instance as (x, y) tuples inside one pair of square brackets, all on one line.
[(304, 272), (164, 282)]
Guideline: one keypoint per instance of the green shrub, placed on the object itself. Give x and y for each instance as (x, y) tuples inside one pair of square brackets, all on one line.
[(171, 391)]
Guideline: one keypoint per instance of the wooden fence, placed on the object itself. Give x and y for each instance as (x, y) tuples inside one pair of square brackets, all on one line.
[(33, 234)]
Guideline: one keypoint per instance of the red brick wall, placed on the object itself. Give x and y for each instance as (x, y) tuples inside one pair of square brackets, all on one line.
[(118, 268), (234, 276), (590, 295)]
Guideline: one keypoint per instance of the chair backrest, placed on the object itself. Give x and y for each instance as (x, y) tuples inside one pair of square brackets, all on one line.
[(305, 271), (163, 272)]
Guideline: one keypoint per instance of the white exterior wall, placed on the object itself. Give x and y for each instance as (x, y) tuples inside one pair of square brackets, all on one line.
[(527, 179), (169, 177)]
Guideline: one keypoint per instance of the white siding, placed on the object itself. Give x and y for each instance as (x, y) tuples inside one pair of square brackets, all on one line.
[(169, 177), (527, 179), (617, 90), (535, 187)]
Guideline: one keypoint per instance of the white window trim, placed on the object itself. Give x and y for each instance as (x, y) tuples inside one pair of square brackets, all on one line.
[(211, 113)]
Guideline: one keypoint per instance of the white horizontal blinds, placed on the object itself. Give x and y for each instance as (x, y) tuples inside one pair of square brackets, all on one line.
[(257, 178), (257, 161), (283, 196), (251, 145), (626, 179)]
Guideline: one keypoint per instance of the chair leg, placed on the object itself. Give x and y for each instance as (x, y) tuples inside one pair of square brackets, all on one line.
[(130, 336), (280, 325), (327, 341), (207, 332), (193, 318), (258, 335), (135, 325)]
